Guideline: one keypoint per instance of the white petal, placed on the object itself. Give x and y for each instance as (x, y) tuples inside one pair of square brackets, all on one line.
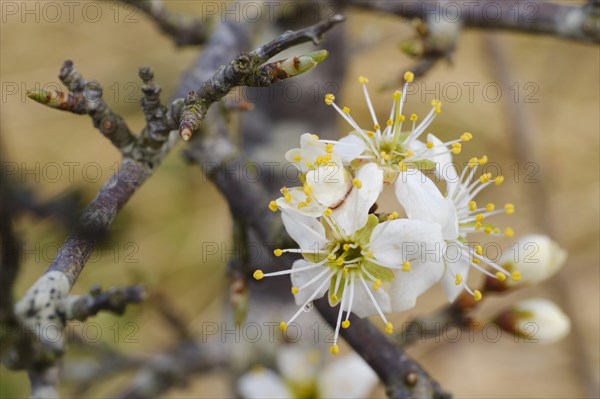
[(407, 286), (297, 363), (303, 277), (353, 213), (307, 231), (349, 147), (451, 231), (330, 184), (396, 241), (312, 208), (444, 168), (347, 377), (454, 267), (263, 383), (310, 149), (363, 306), (421, 199)]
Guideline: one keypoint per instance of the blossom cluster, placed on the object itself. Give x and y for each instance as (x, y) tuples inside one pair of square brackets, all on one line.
[(372, 263)]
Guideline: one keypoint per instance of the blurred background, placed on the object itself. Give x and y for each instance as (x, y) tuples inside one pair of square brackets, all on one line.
[(161, 237)]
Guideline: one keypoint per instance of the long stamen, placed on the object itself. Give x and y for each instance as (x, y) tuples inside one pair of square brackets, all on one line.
[(317, 277), (351, 300), (284, 325), (375, 304), (363, 81), (334, 348)]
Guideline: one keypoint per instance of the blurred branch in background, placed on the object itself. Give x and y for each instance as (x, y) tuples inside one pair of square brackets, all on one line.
[(571, 22), (184, 30)]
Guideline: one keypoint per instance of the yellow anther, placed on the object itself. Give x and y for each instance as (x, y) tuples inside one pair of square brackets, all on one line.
[(397, 95), (413, 117), (346, 110), (466, 136), (509, 208), (308, 164), (294, 290), (409, 154), (273, 206), (456, 148), (477, 295), (488, 230), (284, 190), (473, 162), (458, 279), (516, 276), (475, 260), (406, 266), (283, 326), (401, 118), (369, 254), (278, 252), (334, 298), (346, 247), (483, 160), (376, 284), (345, 271), (390, 122), (409, 77), (370, 134), (472, 205), (297, 158), (393, 216), (288, 197), (478, 249), (484, 178), (307, 189), (329, 148), (308, 199), (258, 274), (334, 349), (327, 212), (501, 276), (509, 232), (345, 323), (429, 145), (357, 183), (402, 166), (478, 226), (490, 207), (363, 80), (339, 261), (389, 328), (331, 257), (329, 98), (479, 218), (302, 205), (376, 126), (314, 136), (499, 180)]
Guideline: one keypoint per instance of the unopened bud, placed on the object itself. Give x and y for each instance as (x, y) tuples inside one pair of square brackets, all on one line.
[(536, 258), (536, 320)]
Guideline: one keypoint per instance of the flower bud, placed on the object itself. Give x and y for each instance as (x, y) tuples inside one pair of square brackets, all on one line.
[(536, 257), (303, 63), (537, 320)]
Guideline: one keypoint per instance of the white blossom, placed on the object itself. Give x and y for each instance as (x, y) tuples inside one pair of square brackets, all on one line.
[(350, 254)]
